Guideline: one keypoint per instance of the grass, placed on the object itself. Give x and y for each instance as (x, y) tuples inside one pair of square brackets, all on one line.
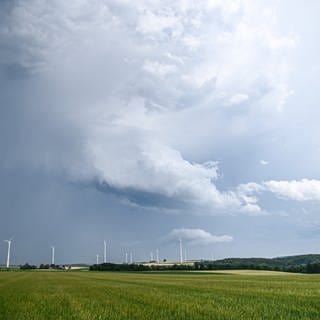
[(180, 295)]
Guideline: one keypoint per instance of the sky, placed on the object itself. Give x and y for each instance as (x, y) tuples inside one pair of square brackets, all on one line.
[(140, 123)]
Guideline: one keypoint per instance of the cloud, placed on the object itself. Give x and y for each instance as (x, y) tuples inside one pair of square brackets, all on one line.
[(238, 98), (158, 169), (264, 162), (298, 190), (121, 94), (156, 23), (158, 69), (196, 236), (301, 190)]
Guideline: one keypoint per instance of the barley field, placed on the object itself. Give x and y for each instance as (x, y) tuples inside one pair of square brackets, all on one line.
[(168, 295)]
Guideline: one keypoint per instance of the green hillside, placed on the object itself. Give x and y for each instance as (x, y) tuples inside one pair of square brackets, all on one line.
[(309, 263)]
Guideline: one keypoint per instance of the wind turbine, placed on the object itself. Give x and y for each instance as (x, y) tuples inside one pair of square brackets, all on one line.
[(105, 251), (52, 255), (126, 257), (180, 247), (8, 255), (131, 258), (157, 256), (97, 258)]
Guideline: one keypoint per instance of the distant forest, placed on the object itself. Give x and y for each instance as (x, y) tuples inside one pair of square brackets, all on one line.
[(300, 264)]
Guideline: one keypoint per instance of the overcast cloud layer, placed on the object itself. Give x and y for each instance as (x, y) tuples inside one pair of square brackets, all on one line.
[(200, 114)]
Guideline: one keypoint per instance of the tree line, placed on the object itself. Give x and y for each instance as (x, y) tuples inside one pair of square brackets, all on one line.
[(298, 264)]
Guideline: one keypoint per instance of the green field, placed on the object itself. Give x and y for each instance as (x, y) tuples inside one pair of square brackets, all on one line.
[(184, 295)]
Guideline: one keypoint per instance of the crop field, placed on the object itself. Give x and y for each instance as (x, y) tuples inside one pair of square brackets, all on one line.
[(168, 295)]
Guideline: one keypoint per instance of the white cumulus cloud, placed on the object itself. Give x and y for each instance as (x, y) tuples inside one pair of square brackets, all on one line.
[(299, 190), (196, 236)]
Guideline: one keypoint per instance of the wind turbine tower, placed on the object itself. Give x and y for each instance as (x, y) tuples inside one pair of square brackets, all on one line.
[(185, 254), (97, 258), (105, 251), (52, 255), (180, 247), (131, 258), (8, 254), (157, 256), (151, 256), (126, 257)]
